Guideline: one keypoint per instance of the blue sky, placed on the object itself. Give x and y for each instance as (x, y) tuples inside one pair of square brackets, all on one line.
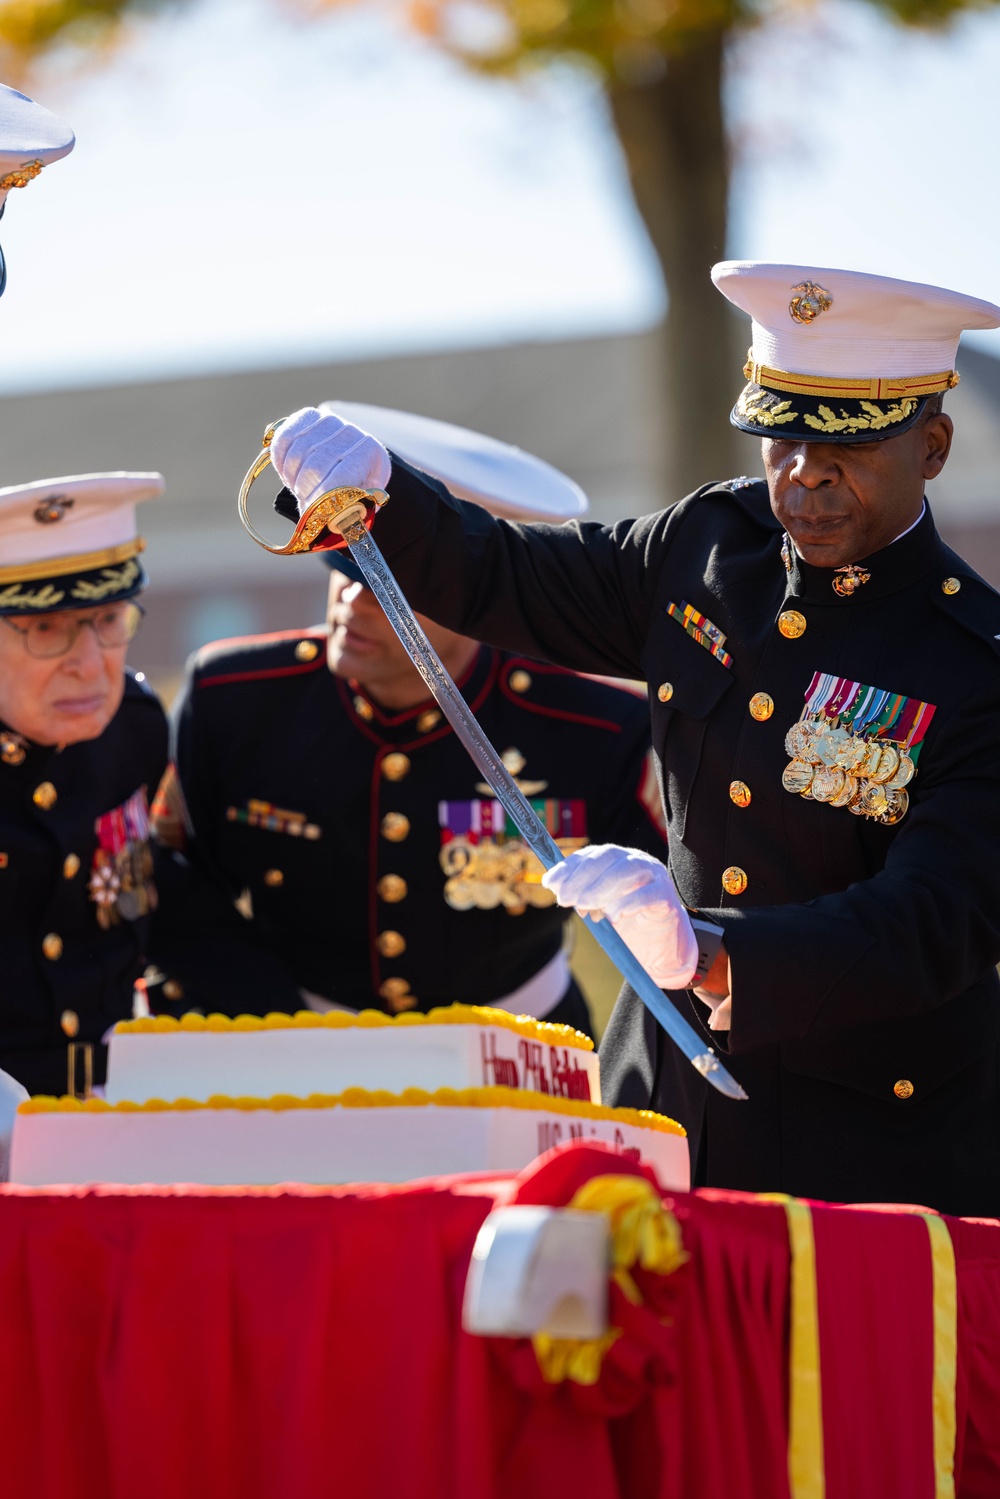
[(250, 190)]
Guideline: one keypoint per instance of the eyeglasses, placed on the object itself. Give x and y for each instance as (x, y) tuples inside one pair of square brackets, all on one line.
[(56, 634)]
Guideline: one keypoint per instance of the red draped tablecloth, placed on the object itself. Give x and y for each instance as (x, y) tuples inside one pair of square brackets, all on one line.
[(200, 1343)]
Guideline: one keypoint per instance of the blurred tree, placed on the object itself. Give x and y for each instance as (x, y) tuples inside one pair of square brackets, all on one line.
[(662, 63)]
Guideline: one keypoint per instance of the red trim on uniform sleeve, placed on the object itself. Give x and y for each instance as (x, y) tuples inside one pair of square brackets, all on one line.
[(263, 675), (535, 668), (229, 641)]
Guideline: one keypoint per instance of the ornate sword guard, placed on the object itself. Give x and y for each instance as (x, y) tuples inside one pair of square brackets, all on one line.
[(330, 515)]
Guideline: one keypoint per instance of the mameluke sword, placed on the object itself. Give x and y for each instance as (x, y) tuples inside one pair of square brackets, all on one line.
[(348, 512)]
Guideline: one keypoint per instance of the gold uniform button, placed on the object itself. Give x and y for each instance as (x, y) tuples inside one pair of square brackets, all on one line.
[(761, 706), (70, 1022), (520, 681), (52, 946), (904, 1088), (665, 691), (734, 880), (395, 827), (45, 796), (949, 586), (390, 944), (273, 878), (395, 767), (428, 720), (739, 792), (398, 998), (173, 991), (364, 709), (71, 866), (792, 624), (306, 650), (392, 888)]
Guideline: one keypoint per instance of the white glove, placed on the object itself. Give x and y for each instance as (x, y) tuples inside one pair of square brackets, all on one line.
[(11, 1094), (314, 451), (639, 898)]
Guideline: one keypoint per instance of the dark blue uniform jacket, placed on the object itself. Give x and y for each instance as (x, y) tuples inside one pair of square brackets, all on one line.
[(863, 955), (350, 828)]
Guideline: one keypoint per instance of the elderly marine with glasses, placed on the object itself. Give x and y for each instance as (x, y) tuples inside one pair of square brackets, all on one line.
[(83, 744)]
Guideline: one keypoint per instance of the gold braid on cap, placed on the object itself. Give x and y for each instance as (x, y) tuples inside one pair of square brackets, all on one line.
[(61, 567), (878, 388), (20, 176)]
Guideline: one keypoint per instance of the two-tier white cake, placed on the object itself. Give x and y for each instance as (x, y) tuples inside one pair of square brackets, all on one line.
[(334, 1098)]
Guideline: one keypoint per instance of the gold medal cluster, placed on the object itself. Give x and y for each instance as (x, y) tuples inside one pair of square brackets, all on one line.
[(831, 764), (121, 884), (488, 874)]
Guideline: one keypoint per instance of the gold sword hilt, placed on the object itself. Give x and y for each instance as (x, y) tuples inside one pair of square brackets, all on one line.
[(330, 514)]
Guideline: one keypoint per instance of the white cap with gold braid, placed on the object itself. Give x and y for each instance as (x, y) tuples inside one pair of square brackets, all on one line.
[(843, 356), (30, 138), (70, 542)]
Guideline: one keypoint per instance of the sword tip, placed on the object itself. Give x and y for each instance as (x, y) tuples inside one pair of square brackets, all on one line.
[(712, 1069)]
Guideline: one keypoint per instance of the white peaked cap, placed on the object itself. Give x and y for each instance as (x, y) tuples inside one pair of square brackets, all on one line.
[(30, 138), (51, 519), (873, 326), (501, 478)]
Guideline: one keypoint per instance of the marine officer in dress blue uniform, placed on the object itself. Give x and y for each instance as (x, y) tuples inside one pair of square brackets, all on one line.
[(313, 775), (83, 744), (825, 696)]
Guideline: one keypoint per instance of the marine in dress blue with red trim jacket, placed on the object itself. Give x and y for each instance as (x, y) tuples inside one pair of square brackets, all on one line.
[(363, 841)]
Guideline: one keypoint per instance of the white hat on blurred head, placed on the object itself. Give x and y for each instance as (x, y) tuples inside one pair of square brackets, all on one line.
[(67, 543), (843, 356), (505, 480), (501, 478), (30, 138)]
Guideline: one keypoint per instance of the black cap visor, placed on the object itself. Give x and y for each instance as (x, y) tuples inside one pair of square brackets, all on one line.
[(793, 417)]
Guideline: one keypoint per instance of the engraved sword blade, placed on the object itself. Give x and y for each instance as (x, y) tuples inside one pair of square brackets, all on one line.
[(383, 585)]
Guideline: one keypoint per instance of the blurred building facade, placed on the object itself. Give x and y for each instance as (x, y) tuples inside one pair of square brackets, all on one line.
[(590, 406)]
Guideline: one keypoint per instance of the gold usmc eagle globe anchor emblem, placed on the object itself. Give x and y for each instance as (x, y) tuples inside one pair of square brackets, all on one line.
[(808, 301)]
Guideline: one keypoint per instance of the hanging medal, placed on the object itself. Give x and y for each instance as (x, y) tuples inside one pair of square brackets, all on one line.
[(856, 747), (121, 875)]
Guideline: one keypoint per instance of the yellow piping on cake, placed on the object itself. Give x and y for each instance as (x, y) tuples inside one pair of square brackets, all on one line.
[(361, 1098), (338, 1020)]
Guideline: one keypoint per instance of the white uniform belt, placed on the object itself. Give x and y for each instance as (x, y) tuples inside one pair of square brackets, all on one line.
[(538, 997)]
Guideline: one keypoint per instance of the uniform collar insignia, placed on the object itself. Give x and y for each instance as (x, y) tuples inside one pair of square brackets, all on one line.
[(848, 580), (13, 747), (884, 573)]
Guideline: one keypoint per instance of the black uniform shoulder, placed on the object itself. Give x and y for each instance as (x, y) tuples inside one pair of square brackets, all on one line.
[(137, 689), (967, 599), (140, 706), (138, 732), (745, 498), (257, 658), (555, 693)]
